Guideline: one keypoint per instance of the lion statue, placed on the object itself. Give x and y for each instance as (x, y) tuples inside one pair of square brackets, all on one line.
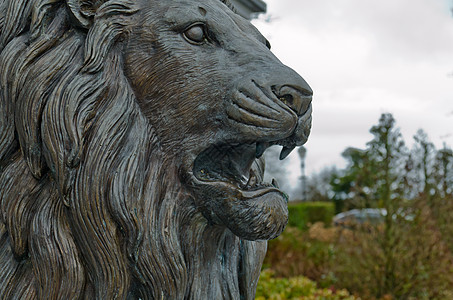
[(131, 136)]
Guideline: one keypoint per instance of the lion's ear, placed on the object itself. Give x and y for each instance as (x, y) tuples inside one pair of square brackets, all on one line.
[(84, 10)]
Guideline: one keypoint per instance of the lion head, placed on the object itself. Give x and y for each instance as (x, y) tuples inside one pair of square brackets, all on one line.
[(131, 136)]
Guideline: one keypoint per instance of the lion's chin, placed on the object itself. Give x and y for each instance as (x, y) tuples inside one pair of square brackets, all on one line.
[(259, 214)]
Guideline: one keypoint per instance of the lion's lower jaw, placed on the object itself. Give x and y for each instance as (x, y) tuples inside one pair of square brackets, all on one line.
[(261, 218)]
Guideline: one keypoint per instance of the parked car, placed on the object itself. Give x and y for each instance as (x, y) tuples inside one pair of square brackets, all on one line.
[(366, 215), (360, 216)]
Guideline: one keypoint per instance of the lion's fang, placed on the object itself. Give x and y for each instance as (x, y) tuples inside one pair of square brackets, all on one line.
[(260, 148), (275, 183), (286, 151)]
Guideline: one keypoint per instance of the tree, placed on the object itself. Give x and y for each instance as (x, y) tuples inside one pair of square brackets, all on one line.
[(443, 169), (387, 149), (318, 187), (354, 186), (375, 177), (424, 154), (414, 189)]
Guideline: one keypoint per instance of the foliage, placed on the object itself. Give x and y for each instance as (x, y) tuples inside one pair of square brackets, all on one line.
[(443, 172), (422, 267), (296, 253), (301, 214), (388, 152), (386, 175), (295, 288), (423, 163), (374, 176), (386, 172), (356, 259), (408, 255), (442, 208), (354, 187), (318, 186)]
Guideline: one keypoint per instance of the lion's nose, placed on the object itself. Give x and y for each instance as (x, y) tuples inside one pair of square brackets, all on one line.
[(297, 97)]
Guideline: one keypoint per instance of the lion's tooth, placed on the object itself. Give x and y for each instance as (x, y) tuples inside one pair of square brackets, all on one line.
[(252, 180), (275, 183), (260, 148), (244, 181), (286, 151)]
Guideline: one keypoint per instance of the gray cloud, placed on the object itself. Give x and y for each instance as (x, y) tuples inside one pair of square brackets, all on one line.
[(363, 58)]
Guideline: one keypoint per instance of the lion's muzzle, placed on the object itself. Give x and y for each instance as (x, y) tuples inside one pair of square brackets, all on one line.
[(273, 108), (268, 108)]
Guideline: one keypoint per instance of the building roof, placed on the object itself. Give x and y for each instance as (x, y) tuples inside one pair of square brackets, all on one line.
[(249, 8)]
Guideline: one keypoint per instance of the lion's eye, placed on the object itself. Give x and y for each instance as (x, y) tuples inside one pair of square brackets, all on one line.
[(195, 34)]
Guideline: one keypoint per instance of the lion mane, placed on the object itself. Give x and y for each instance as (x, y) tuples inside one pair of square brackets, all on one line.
[(91, 206)]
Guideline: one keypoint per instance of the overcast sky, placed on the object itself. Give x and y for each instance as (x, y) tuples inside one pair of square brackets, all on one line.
[(363, 58)]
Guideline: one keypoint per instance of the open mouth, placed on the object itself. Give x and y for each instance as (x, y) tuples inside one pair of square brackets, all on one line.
[(237, 166), (228, 178)]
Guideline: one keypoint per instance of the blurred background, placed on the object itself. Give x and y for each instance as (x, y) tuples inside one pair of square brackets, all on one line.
[(371, 215)]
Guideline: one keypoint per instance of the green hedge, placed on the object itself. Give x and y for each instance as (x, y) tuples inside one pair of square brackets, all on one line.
[(303, 213)]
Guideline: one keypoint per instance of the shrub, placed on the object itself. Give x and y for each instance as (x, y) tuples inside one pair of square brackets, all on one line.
[(301, 214), (295, 288), (418, 264), (295, 253), (414, 262)]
